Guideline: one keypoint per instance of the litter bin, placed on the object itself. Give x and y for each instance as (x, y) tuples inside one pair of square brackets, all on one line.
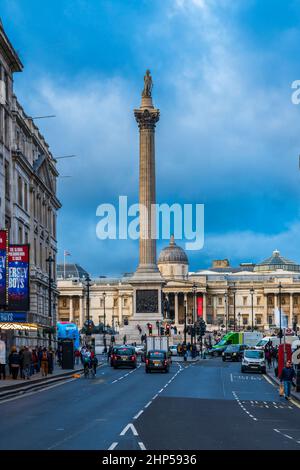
[(67, 346)]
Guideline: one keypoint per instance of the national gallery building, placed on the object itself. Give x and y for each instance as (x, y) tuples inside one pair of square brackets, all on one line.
[(246, 296)]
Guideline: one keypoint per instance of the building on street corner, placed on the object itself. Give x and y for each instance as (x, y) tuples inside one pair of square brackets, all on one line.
[(28, 202)]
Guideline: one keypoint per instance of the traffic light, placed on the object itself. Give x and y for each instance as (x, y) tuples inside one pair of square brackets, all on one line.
[(202, 328)]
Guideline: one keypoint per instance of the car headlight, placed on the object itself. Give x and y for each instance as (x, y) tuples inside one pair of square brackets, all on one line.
[(234, 354), (223, 354)]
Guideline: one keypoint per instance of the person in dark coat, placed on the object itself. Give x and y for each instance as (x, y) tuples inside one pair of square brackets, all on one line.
[(14, 362), (287, 375), (26, 359), (50, 360)]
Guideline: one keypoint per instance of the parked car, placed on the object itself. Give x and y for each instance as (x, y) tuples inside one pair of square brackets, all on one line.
[(140, 349), (234, 352), (253, 360), (124, 356), (157, 360)]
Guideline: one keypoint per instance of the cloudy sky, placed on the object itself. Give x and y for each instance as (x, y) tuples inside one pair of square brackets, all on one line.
[(228, 135)]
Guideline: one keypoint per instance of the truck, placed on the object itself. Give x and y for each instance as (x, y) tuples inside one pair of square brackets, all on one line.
[(157, 342), (250, 338)]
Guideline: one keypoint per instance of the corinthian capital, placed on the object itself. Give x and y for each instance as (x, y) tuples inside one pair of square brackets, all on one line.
[(146, 118)]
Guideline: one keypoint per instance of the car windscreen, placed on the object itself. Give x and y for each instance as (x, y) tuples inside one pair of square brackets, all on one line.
[(254, 354), (156, 355), (125, 352), (232, 349)]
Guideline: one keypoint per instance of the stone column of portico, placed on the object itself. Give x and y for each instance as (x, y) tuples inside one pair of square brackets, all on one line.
[(71, 317), (204, 307), (176, 308), (147, 116), (291, 316), (265, 314), (120, 314), (81, 311)]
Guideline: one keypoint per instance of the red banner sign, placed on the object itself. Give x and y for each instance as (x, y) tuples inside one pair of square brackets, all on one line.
[(200, 306), (3, 268), (18, 286)]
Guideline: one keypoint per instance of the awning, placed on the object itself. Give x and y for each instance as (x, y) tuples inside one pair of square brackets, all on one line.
[(18, 326)]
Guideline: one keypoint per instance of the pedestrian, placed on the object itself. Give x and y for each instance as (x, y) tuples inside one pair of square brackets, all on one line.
[(14, 362), (40, 352), (44, 363), (77, 357), (2, 366), (21, 362), (124, 339), (109, 353), (287, 375), (26, 360), (34, 362), (268, 356), (50, 360)]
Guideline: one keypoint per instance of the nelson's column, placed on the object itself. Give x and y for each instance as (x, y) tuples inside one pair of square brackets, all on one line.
[(147, 281)]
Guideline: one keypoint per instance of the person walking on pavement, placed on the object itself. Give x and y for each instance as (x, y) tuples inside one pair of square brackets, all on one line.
[(45, 363), (268, 356), (124, 339), (77, 356), (51, 360), (2, 366), (14, 362), (26, 359), (287, 376)]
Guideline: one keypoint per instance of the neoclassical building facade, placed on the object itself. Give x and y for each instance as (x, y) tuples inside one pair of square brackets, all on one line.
[(224, 296)]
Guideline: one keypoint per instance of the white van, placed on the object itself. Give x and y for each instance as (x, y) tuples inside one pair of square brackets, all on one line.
[(275, 341)]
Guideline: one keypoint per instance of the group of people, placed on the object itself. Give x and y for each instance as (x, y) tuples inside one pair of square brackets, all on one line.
[(186, 350), (27, 362), (271, 354), (88, 359)]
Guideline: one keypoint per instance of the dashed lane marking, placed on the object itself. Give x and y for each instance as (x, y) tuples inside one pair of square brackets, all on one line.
[(113, 446), (138, 414), (129, 426), (142, 446), (148, 404)]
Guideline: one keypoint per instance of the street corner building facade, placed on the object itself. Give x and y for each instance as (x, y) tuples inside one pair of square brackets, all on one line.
[(28, 206)]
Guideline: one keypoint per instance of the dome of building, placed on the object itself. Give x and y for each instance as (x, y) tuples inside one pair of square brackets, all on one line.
[(173, 254), (276, 261), (71, 271)]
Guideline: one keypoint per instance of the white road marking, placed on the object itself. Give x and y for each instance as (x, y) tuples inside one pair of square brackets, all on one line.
[(148, 404), (155, 396), (142, 446), (161, 390), (114, 381), (129, 426), (112, 447), (289, 437), (138, 414), (231, 378)]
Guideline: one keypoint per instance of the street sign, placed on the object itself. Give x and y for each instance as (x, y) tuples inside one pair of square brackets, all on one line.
[(296, 357)]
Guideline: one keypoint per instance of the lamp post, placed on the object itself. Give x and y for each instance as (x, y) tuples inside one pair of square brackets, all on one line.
[(104, 327), (239, 320), (185, 307), (88, 285), (50, 260), (194, 288), (252, 292), (279, 298), (226, 313), (233, 290)]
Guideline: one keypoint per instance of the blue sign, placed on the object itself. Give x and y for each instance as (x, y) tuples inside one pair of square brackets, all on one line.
[(13, 317)]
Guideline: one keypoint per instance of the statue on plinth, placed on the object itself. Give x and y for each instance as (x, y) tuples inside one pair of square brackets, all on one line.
[(148, 85)]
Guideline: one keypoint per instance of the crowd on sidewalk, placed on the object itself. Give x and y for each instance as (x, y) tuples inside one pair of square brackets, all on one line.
[(27, 362)]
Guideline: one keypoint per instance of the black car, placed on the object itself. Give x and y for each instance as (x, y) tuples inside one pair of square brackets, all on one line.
[(234, 352), (157, 360), (123, 356)]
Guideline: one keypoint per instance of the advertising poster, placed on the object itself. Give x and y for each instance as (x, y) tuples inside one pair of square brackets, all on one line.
[(3, 268), (18, 277)]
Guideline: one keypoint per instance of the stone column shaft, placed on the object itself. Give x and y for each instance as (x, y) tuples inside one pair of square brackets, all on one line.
[(71, 310), (176, 308)]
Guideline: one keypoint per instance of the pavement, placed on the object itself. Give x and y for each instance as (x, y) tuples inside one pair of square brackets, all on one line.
[(207, 404), (276, 381)]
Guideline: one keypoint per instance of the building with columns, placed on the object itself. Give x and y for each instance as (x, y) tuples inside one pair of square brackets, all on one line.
[(223, 295)]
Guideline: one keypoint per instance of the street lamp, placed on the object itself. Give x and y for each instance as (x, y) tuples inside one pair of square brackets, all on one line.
[(226, 319), (252, 292), (50, 260), (88, 285), (185, 307), (239, 320), (193, 330), (104, 326), (233, 290), (279, 298)]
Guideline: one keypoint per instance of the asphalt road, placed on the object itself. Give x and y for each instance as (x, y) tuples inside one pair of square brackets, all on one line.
[(199, 406)]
